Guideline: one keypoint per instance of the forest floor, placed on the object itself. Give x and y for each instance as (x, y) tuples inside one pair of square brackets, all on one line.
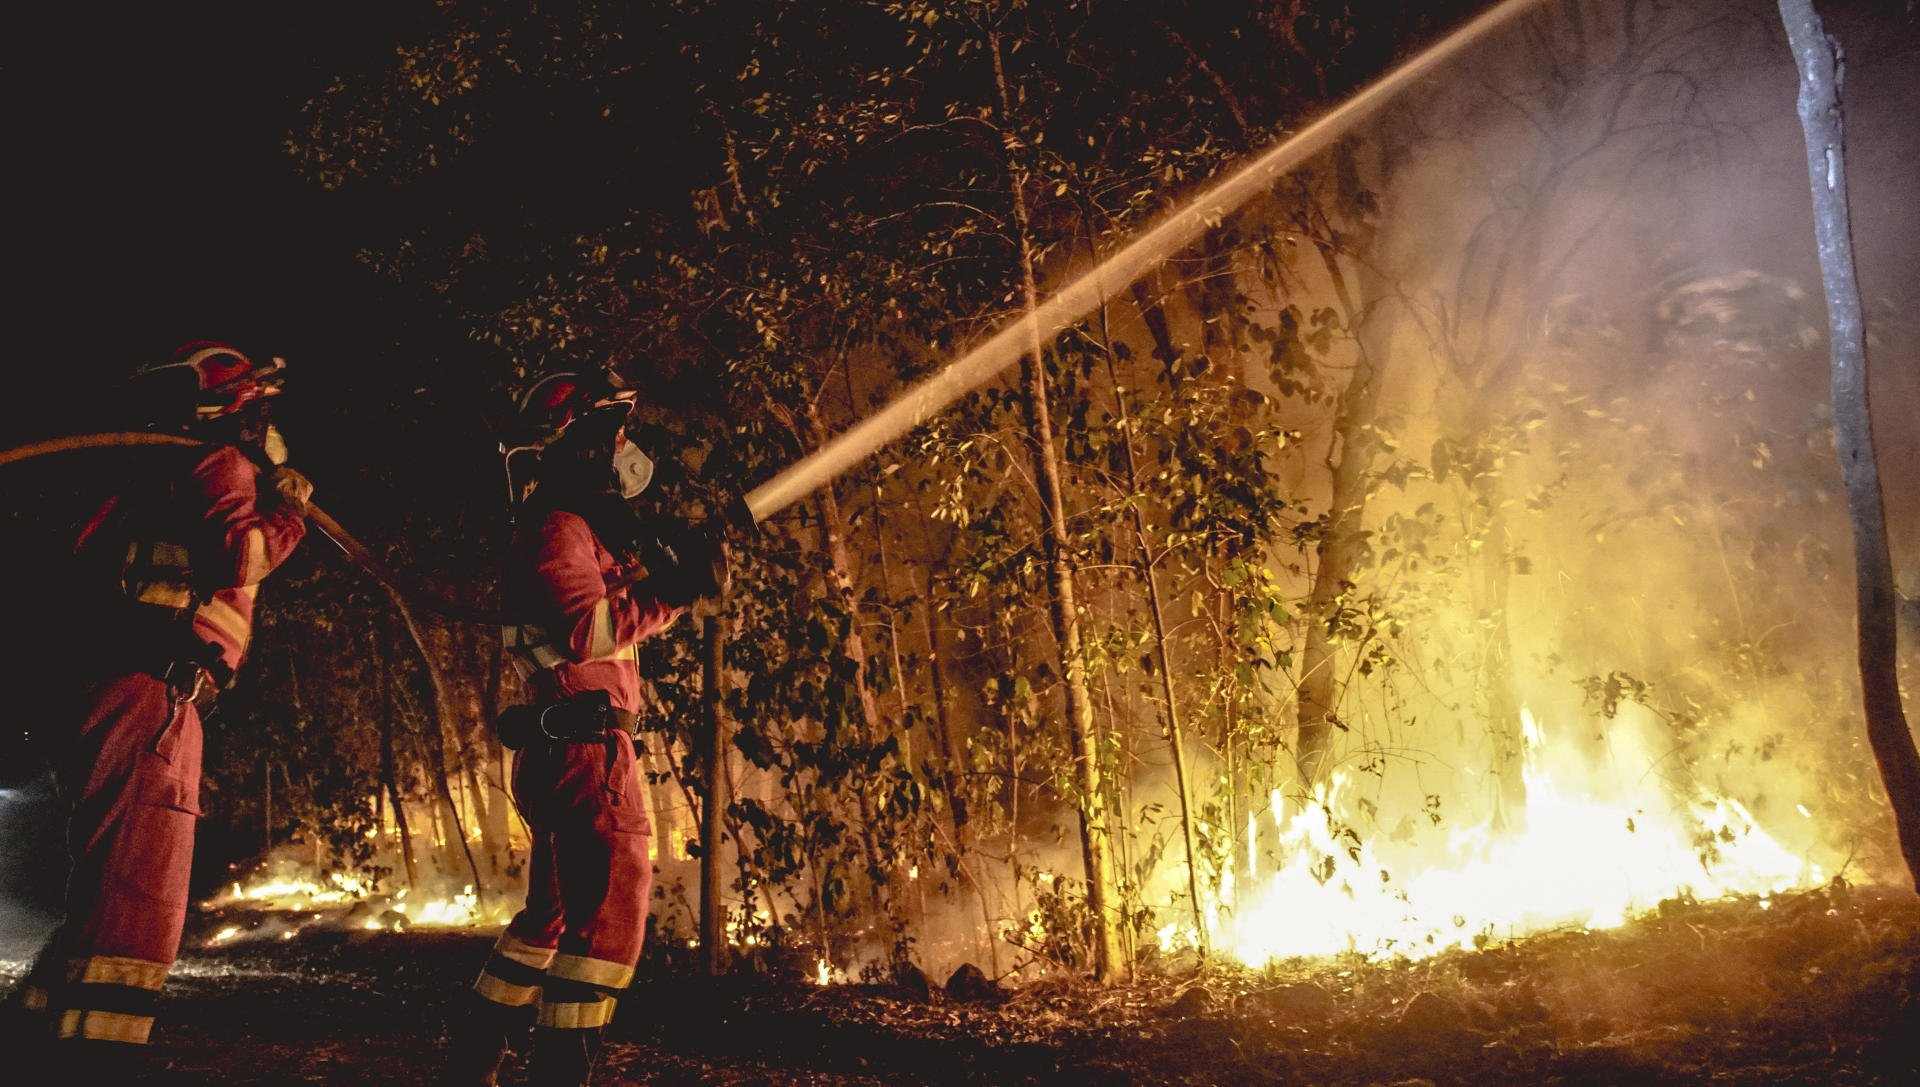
[(1820, 987)]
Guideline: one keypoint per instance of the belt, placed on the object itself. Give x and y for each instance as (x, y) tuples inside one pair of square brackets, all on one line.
[(587, 718)]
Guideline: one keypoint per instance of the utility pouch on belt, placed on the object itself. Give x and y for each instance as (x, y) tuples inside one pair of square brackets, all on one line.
[(583, 719)]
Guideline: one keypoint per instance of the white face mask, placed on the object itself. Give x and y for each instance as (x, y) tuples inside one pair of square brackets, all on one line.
[(632, 468), (275, 446)]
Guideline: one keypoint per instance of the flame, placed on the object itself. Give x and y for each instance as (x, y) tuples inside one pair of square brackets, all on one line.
[(309, 898), (823, 972), (461, 909), (1579, 859), (298, 893)]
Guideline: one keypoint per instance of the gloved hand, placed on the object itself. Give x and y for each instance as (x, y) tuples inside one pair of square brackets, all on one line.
[(294, 489), (702, 567)]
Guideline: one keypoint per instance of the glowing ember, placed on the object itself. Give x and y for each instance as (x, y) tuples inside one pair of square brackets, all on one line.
[(1581, 858), (224, 935)]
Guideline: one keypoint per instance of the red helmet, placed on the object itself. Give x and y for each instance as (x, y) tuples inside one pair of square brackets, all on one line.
[(557, 400), (226, 380)]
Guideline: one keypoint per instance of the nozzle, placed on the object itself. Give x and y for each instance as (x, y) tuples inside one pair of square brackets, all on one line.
[(737, 516)]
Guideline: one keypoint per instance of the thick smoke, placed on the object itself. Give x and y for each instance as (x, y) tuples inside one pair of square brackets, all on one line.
[(1604, 288)]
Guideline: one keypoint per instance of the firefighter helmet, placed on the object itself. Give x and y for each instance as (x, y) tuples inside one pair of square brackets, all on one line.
[(575, 420), (557, 401), (226, 381)]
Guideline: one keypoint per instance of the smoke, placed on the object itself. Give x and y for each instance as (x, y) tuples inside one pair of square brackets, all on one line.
[(1600, 303), (30, 869)]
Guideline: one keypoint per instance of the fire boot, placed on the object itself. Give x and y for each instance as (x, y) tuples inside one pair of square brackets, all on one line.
[(564, 1056), (482, 1035)]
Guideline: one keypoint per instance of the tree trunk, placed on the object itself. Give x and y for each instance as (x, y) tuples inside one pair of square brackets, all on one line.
[(1496, 663), (1176, 740), (1154, 315), (266, 807), (950, 753), (497, 833), (1341, 544), (951, 779), (713, 907), (1094, 831), (833, 541), (389, 769), (1821, 75), (443, 716)]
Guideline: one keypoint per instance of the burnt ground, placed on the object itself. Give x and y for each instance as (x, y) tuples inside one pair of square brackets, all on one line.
[(1821, 987)]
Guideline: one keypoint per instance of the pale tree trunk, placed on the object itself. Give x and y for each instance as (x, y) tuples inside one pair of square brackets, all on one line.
[(1821, 74), (713, 907), (1094, 831)]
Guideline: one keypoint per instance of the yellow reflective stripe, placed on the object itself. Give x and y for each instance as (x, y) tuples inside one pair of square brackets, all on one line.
[(600, 641), (227, 619), (106, 1026), (253, 566), (165, 594), (600, 972), (522, 952), (33, 998), (575, 1016), (115, 970), (507, 993)]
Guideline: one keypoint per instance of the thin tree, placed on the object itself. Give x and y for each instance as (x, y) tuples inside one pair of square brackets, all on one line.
[(1094, 831), (713, 910), (1821, 74)]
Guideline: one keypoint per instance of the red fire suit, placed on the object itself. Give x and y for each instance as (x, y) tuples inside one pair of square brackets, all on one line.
[(202, 541), (575, 944)]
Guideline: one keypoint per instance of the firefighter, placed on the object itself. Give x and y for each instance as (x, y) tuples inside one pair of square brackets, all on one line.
[(575, 779), (175, 565)]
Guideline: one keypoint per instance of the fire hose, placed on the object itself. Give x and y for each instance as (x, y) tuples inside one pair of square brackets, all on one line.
[(350, 546), (400, 586)]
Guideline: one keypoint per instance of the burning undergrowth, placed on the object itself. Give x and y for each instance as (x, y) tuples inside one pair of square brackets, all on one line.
[(286, 898), (1590, 847)]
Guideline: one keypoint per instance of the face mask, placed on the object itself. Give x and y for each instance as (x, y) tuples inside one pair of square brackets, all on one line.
[(275, 446), (632, 468)]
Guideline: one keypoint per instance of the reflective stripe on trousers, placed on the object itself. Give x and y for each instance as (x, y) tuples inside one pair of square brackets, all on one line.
[(133, 781)]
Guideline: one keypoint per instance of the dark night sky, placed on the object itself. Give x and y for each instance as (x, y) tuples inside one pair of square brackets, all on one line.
[(159, 205), (153, 203)]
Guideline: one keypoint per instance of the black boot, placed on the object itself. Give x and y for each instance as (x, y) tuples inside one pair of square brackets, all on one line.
[(564, 1057), (483, 1033)]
